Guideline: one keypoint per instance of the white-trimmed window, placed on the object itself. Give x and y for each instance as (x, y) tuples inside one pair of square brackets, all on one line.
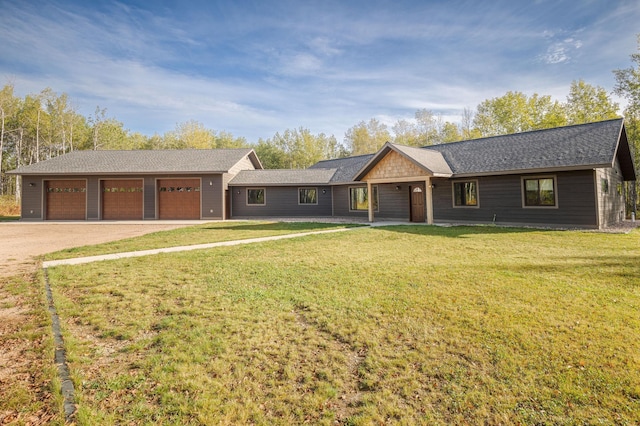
[(256, 196), (465, 193), (307, 195), (359, 198), (539, 191)]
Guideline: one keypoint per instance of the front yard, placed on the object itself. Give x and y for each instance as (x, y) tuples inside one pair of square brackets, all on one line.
[(407, 324)]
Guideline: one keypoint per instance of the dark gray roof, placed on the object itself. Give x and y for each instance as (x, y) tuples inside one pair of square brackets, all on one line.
[(141, 162), (283, 177), (571, 147), (346, 168)]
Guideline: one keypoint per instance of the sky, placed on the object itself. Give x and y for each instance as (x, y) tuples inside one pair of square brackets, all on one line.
[(254, 68)]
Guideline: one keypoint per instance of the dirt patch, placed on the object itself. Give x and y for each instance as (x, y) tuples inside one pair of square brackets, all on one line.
[(23, 243)]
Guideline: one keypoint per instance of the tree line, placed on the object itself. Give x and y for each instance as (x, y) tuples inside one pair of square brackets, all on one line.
[(44, 125)]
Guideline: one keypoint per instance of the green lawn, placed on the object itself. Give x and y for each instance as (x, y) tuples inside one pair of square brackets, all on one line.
[(463, 325), (200, 234)]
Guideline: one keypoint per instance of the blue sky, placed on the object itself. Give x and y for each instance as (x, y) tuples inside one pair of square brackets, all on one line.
[(254, 68)]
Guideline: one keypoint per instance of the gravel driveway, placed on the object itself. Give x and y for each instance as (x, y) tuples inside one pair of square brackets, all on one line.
[(22, 242)]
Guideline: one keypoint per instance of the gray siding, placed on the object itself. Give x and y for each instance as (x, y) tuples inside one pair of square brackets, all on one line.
[(341, 202), (149, 197), (392, 203), (212, 197), (281, 201), (93, 198), (32, 198), (611, 205), (502, 196)]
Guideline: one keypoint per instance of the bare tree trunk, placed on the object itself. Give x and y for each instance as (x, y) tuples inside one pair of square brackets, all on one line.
[(1, 150), (38, 138), (18, 164)]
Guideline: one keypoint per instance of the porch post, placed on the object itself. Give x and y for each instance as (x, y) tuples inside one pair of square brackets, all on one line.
[(370, 200), (429, 200)]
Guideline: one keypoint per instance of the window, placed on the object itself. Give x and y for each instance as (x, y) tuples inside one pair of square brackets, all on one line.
[(539, 192), (465, 194), (256, 196), (359, 200), (307, 196)]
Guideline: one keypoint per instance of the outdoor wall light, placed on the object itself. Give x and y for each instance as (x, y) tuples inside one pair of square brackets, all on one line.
[(210, 183), (433, 185), (398, 187), (32, 184), (324, 191)]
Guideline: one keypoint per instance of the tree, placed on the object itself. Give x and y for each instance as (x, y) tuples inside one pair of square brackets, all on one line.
[(628, 86), (191, 134), (516, 112), (8, 105), (586, 104), (405, 133), (449, 132), (271, 156), (427, 124), (227, 140), (365, 138)]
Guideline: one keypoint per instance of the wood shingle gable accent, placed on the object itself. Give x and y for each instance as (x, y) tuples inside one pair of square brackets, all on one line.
[(392, 166), (408, 162)]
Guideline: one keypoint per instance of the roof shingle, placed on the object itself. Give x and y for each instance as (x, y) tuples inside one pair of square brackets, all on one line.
[(579, 146), (283, 177), (138, 162)]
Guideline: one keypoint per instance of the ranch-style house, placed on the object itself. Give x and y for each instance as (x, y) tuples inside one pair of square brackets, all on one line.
[(569, 176)]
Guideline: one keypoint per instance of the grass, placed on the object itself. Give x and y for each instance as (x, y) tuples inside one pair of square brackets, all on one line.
[(464, 325), (9, 209), (200, 234), (28, 377)]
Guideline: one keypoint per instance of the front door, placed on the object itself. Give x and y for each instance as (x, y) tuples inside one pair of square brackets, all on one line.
[(417, 204)]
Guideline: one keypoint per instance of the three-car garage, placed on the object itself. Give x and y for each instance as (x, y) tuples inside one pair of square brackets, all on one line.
[(190, 184)]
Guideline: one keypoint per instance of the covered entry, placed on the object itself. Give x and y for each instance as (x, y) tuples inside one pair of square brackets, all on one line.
[(395, 164), (122, 199), (66, 199), (178, 198)]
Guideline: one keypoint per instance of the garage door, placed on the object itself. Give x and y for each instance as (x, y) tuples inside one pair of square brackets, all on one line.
[(66, 199), (122, 199), (179, 198)]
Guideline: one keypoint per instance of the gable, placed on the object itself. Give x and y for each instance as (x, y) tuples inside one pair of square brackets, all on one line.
[(394, 165)]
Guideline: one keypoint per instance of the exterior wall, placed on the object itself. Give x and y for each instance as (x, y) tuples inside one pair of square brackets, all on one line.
[(341, 202), (280, 201), (392, 203), (32, 203), (212, 197), (149, 197), (244, 164), (94, 210), (501, 197), (611, 205)]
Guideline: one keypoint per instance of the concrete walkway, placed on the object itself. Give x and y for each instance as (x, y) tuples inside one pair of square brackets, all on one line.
[(113, 256)]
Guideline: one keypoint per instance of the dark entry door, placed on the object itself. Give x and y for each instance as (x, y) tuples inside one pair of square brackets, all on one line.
[(417, 204)]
